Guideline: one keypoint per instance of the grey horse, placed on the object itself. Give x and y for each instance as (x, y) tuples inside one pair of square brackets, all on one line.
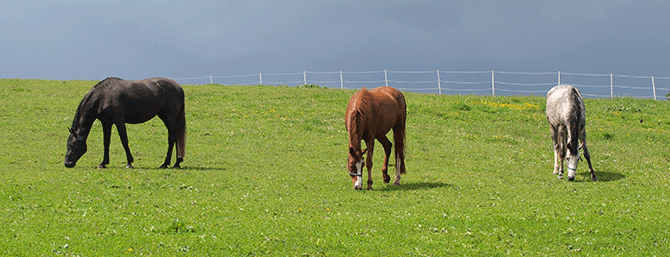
[(566, 116)]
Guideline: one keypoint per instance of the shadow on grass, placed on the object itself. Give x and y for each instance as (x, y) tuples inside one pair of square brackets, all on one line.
[(201, 168), (603, 176), (415, 186), (183, 168)]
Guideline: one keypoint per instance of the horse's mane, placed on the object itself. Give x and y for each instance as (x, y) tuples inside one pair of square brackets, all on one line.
[(576, 101), (576, 96), (362, 100), (360, 104), (91, 97)]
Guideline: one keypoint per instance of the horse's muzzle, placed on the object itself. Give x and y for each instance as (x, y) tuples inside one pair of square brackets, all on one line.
[(70, 164)]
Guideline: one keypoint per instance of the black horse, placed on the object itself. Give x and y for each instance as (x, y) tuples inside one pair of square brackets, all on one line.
[(114, 101)]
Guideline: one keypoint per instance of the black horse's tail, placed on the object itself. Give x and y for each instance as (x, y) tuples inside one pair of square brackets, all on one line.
[(181, 131)]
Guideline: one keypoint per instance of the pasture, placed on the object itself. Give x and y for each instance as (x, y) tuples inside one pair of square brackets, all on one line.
[(264, 174)]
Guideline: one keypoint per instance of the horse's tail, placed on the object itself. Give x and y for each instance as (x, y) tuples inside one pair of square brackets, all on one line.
[(399, 140), (399, 134), (181, 130)]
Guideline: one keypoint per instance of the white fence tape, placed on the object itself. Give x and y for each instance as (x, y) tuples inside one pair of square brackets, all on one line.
[(455, 82)]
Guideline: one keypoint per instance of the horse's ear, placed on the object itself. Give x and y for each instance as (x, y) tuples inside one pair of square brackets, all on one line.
[(69, 129)]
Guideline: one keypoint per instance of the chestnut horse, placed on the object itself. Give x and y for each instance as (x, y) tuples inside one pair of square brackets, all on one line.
[(371, 115), (567, 118), (114, 101)]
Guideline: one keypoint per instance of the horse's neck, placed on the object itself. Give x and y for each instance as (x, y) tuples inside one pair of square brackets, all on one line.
[(355, 130), (87, 113), (355, 138), (86, 123)]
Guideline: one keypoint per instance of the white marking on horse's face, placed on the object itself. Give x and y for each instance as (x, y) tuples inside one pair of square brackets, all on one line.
[(358, 184), (359, 167)]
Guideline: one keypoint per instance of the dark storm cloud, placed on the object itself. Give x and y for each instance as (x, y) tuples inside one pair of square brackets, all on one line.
[(137, 39)]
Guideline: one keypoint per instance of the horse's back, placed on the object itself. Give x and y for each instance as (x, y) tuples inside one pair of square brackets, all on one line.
[(389, 108), (564, 102), (152, 89), (166, 83), (159, 84), (390, 98), (390, 93)]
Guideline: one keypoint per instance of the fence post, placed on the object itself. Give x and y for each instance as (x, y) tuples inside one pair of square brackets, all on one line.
[(210, 79), (611, 86), (439, 87), (653, 85), (386, 78), (341, 81), (304, 77), (260, 76), (493, 83), (559, 77)]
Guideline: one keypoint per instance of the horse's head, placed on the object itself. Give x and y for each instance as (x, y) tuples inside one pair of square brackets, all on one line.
[(355, 166), (572, 159), (76, 147)]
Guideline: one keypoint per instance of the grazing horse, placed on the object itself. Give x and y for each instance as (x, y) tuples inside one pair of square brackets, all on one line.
[(566, 115), (114, 101), (371, 115)]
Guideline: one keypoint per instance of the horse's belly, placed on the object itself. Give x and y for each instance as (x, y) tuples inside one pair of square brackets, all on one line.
[(141, 111), (136, 118)]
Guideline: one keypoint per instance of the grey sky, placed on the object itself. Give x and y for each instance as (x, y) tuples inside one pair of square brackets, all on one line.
[(139, 39)]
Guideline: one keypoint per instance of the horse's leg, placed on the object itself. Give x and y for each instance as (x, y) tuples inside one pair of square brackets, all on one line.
[(587, 155), (554, 139), (168, 158), (562, 149), (368, 163), (121, 127), (172, 137), (106, 136), (387, 153)]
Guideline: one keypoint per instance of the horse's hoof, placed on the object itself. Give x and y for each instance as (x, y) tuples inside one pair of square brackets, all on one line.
[(129, 166), (102, 166), (593, 178), (396, 183), (176, 166), (387, 179), (163, 166), (571, 178)]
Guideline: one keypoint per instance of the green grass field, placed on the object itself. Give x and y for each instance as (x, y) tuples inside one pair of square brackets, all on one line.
[(265, 174)]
